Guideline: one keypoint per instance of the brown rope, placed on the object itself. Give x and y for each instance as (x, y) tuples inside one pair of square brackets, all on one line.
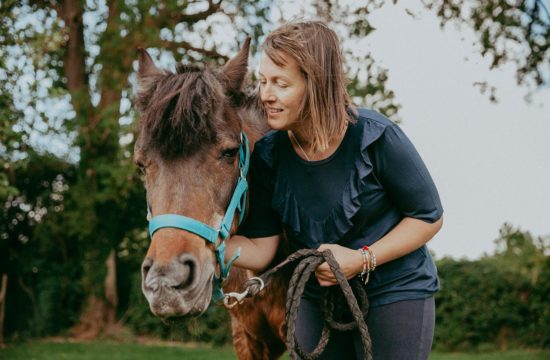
[(333, 307)]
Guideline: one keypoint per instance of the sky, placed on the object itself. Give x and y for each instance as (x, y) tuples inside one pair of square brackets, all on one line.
[(490, 162)]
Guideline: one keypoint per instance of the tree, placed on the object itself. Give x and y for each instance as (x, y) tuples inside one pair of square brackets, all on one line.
[(10, 142), (498, 300), (519, 250), (509, 31)]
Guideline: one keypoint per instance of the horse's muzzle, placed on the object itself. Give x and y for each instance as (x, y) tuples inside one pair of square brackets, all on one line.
[(178, 288)]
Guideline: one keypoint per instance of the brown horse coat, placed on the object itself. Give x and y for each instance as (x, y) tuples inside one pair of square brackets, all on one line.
[(189, 128)]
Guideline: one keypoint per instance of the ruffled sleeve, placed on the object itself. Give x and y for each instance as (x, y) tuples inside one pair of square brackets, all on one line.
[(261, 220), (404, 176)]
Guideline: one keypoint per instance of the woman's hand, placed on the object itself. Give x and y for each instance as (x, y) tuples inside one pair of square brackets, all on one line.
[(350, 261)]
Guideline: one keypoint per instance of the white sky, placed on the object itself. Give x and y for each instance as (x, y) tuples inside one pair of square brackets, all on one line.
[(490, 162)]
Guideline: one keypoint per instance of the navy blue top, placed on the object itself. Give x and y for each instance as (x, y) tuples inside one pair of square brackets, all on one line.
[(373, 180)]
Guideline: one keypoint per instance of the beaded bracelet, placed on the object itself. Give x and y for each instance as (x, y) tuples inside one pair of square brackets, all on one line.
[(367, 256), (369, 263), (372, 258), (365, 270)]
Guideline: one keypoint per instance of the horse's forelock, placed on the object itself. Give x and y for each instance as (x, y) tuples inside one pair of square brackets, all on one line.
[(183, 112)]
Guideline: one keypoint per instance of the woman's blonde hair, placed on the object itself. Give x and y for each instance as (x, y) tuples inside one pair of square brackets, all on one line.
[(316, 50)]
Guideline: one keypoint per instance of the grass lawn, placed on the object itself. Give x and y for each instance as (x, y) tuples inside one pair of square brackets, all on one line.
[(42, 350)]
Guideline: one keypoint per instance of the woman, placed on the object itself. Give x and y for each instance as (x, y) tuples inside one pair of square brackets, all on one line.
[(333, 177)]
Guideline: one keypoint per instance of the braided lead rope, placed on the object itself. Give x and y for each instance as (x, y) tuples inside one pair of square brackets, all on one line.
[(309, 260)]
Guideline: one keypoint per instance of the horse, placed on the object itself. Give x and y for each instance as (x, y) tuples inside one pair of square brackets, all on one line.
[(188, 145)]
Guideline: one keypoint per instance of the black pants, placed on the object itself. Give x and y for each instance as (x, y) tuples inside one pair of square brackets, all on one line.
[(399, 331)]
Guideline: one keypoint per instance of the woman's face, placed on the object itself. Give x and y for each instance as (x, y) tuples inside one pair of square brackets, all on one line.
[(282, 90)]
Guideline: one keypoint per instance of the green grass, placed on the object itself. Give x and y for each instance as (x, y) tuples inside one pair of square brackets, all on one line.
[(42, 350), (111, 350), (508, 355)]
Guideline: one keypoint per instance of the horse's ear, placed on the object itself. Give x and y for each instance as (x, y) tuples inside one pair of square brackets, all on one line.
[(147, 71), (235, 70), (147, 74)]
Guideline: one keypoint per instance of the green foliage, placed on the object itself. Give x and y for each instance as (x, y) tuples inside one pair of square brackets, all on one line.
[(497, 301), (539, 309), (37, 256), (11, 140), (477, 301), (516, 32)]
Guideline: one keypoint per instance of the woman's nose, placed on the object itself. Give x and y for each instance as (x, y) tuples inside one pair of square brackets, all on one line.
[(266, 95)]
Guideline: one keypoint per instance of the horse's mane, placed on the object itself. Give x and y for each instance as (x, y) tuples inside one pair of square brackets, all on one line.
[(251, 110), (179, 112)]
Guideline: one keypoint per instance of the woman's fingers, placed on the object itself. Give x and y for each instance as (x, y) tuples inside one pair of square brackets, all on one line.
[(327, 282), (323, 271), (324, 275)]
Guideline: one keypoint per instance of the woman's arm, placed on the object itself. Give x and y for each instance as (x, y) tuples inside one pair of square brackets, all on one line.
[(256, 254), (407, 236)]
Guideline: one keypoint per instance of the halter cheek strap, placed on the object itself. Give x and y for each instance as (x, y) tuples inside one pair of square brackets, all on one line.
[(208, 233)]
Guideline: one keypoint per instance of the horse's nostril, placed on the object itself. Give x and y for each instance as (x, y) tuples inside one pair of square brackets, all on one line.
[(146, 266), (189, 271)]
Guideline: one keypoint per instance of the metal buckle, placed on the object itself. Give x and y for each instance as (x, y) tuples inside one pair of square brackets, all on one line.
[(239, 297)]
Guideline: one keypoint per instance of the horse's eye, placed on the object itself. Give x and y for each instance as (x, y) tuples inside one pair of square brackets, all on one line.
[(230, 153), (140, 166)]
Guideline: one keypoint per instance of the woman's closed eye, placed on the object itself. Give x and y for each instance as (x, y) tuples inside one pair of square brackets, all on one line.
[(279, 83)]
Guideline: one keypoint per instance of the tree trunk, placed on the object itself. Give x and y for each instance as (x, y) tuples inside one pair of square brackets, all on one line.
[(74, 62), (98, 142), (92, 320), (99, 316), (111, 293), (3, 290)]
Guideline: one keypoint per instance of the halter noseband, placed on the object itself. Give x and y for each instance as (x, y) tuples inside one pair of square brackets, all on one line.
[(208, 233)]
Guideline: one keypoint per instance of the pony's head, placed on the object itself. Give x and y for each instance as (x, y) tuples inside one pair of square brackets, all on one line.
[(188, 150)]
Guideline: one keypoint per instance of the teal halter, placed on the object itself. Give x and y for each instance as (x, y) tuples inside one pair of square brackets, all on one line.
[(208, 233)]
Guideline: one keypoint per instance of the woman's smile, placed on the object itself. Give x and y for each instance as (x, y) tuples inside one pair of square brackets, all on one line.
[(273, 111)]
